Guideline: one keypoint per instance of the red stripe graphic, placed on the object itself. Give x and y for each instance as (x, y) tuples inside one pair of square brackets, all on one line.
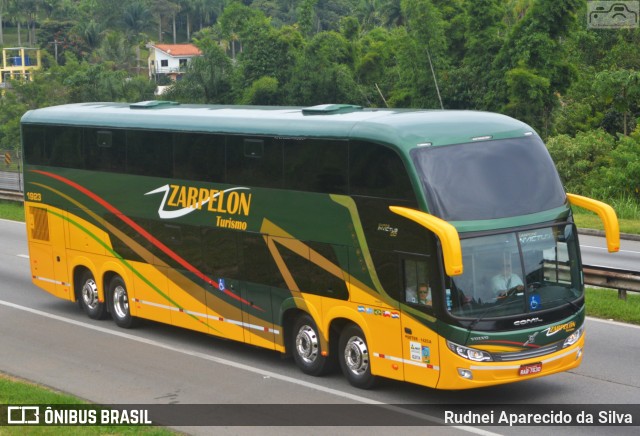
[(145, 234)]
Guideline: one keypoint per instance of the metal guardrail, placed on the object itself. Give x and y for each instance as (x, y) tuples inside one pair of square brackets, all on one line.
[(612, 278), (11, 183)]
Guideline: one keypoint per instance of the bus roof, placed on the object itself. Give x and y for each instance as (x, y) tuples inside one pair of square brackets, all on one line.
[(404, 128)]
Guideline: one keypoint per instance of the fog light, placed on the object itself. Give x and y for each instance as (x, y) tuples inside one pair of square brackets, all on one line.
[(465, 373), (579, 354)]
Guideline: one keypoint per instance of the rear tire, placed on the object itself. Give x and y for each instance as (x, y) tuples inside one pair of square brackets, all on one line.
[(119, 304), (88, 299), (307, 350), (354, 358)]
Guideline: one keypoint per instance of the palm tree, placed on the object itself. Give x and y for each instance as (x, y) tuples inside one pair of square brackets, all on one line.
[(392, 13), (136, 19), (164, 8), (90, 32), (17, 14), (113, 48), (4, 5)]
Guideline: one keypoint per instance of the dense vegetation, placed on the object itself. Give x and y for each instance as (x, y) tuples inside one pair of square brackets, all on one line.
[(535, 60)]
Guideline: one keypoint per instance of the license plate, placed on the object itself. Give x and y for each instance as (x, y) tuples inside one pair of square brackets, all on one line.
[(530, 369)]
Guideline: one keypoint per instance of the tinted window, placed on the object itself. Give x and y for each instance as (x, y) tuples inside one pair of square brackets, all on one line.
[(490, 179), (315, 268), (377, 171), (316, 165), (258, 265), (66, 147), (220, 252), (199, 157), (36, 151), (149, 153), (386, 264), (254, 162), (104, 150), (57, 146)]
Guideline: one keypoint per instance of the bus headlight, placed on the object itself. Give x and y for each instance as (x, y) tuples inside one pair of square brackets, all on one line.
[(573, 338), (469, 353)]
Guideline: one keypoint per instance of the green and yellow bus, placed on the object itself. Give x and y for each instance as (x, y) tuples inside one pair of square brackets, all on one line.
[(434, 247)]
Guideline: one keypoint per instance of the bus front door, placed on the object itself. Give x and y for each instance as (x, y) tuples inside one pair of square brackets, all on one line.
[(419, 341)]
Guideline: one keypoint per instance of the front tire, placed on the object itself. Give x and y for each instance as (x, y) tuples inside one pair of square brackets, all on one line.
[(119, 304), (89, 301), (307, 350), (354, 358)]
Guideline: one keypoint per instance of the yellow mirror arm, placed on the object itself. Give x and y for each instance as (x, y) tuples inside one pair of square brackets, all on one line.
[(607, 216), (448, 235)]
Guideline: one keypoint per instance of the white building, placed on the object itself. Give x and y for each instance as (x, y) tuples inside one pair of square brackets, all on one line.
[(170, 60)]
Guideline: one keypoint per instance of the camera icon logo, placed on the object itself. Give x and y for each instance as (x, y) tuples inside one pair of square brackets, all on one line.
[(613, 14)]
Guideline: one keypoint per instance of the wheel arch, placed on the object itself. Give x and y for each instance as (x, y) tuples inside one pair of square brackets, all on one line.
[(110, 270), (290, 310), (78, 267)]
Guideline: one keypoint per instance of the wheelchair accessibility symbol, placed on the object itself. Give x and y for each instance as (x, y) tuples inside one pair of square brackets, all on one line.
[(535, 302)]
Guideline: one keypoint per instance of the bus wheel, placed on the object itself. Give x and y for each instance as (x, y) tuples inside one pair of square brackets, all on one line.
[(307, 351), (119, 303), (354, 357), (89, 298)]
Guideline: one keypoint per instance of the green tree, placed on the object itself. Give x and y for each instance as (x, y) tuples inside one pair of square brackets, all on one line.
[(621, 90), (208, 79), (323, 73), (533, 44), (620, 177), (136, 19), (579, 158), (90, 34), (263, 91), (483, 35), (113, 49), (421, 57), (234, 22)]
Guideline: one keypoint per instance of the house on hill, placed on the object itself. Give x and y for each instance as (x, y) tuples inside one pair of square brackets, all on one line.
[(170, 60)]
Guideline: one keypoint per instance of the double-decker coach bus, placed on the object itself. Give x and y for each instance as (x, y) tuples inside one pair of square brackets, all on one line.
[(435, 247)]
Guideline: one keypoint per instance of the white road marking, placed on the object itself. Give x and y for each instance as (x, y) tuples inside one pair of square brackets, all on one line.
[(604, 248), (241, 366), (612, 322)]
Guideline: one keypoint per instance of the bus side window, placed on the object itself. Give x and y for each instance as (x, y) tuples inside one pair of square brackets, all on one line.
[(316, 165), (199, 157), (149, 153), (386, 266), (254, 162), (66, 147), (36, 151), (377, 171), (221, 257), (416, 282), (104, 150), (257, 263)]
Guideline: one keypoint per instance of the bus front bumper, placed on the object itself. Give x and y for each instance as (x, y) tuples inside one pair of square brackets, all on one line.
[(460, 373)]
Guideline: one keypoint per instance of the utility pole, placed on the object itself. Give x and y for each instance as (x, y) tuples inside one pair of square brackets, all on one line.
[(55, 48)]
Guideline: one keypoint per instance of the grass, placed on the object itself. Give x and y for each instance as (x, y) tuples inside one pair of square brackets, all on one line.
[(11, 210), (604, 303), (20, 392), (586, 220), (627, 209)]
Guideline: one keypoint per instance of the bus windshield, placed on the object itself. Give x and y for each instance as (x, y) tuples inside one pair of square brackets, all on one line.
[(517, 273), (489, 179)]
